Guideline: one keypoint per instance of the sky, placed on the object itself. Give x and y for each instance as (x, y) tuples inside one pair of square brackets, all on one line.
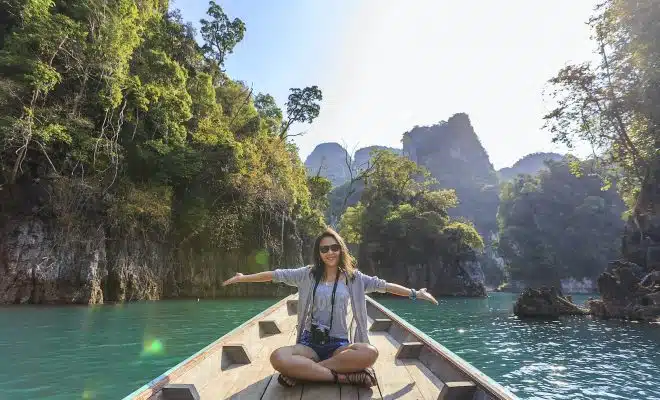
[(385, 66)]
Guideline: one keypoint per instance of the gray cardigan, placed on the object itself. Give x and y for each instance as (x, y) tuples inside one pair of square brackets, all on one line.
[(358, 287)]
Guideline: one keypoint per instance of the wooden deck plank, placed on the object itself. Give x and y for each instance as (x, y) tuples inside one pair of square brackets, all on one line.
[(226, 383), (366, 394), (349, 392), (427, 383), (393, 377), (250, 340), (249, 378), (201, 364), (317, 391), (254, 386), (250, 381), (275, 391), (208, 374)]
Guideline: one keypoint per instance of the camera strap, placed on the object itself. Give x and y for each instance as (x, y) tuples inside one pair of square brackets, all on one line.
[(332, 307)]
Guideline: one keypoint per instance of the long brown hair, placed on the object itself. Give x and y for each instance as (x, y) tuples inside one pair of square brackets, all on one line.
[(346, 262)]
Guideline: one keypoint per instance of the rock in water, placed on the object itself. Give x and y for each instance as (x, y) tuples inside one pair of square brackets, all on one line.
[(626, 293), (545, 302)]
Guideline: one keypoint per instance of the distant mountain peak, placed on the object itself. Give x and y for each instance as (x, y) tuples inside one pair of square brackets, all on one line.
[(329, 160), (530, 164)]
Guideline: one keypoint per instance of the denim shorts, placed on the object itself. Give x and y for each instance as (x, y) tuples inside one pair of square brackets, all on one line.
[(324, 351)]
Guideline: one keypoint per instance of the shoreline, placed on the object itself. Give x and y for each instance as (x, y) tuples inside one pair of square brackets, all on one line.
[(222, 298)]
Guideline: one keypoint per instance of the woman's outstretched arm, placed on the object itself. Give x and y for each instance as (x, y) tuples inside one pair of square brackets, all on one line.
[(375, 284), (404, 291), (265, 276), (288, 276)]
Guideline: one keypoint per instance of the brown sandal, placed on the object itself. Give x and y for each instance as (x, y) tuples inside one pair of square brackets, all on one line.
[(283, 382), (365, 378), (334, 375)]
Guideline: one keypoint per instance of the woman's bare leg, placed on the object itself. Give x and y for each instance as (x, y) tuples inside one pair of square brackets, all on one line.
[(352, 358), (299, 362)]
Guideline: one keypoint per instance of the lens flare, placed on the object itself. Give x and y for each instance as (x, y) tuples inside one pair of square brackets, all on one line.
[(152, 348), (261, 257)]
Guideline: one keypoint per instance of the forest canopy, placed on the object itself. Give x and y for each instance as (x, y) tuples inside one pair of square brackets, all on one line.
[(117, 106), (400, 217), (559, 224)]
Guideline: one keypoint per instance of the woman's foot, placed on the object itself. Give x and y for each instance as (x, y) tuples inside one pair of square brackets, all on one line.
[(365, 378), (286, 381)]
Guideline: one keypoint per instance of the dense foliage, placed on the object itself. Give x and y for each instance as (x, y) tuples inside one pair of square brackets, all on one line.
[(557, 225), (114, 103), (613, 105), (401, 219)]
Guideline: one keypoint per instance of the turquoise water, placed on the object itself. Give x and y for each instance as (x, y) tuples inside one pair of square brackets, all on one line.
[(106, 352)]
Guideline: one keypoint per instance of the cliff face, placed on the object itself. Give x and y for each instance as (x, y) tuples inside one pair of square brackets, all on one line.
[(453, 154), (463, 277), (50, 260), (363, 157), (531, 164), (41, 265), (328, 160)]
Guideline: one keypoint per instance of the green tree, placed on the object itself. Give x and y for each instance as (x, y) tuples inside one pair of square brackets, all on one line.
[(114, 111), (557, 225), (220, 34), (269, 112), (401, 220), (612, 105), (302, 106)]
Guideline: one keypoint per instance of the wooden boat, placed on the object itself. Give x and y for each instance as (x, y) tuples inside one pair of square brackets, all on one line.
[(237, 366)]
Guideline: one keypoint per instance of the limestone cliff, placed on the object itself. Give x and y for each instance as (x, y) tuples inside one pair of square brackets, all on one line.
[(363, 157), (46, 258), (462, 276), (347, 194), (451, 151), (44, 265), (329, 160), (453, 154), (40, 264)]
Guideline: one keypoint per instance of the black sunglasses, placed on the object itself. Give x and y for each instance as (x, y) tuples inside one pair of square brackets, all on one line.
[(334, 247)]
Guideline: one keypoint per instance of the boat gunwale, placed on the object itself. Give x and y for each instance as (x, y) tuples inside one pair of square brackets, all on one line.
[(155, 385), (483, 381)]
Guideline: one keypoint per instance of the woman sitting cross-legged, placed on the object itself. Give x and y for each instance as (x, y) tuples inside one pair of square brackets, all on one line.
[(323, 351)]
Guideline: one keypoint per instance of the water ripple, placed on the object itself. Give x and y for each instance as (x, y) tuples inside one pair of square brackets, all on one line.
[(569, 358)]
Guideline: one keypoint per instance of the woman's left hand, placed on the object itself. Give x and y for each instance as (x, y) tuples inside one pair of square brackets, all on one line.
[(424, 295)]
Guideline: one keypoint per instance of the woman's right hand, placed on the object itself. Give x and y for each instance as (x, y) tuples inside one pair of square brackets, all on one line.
[(236, 278)]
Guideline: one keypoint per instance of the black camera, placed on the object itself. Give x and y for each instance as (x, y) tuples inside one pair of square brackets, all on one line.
[(320, 335)]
